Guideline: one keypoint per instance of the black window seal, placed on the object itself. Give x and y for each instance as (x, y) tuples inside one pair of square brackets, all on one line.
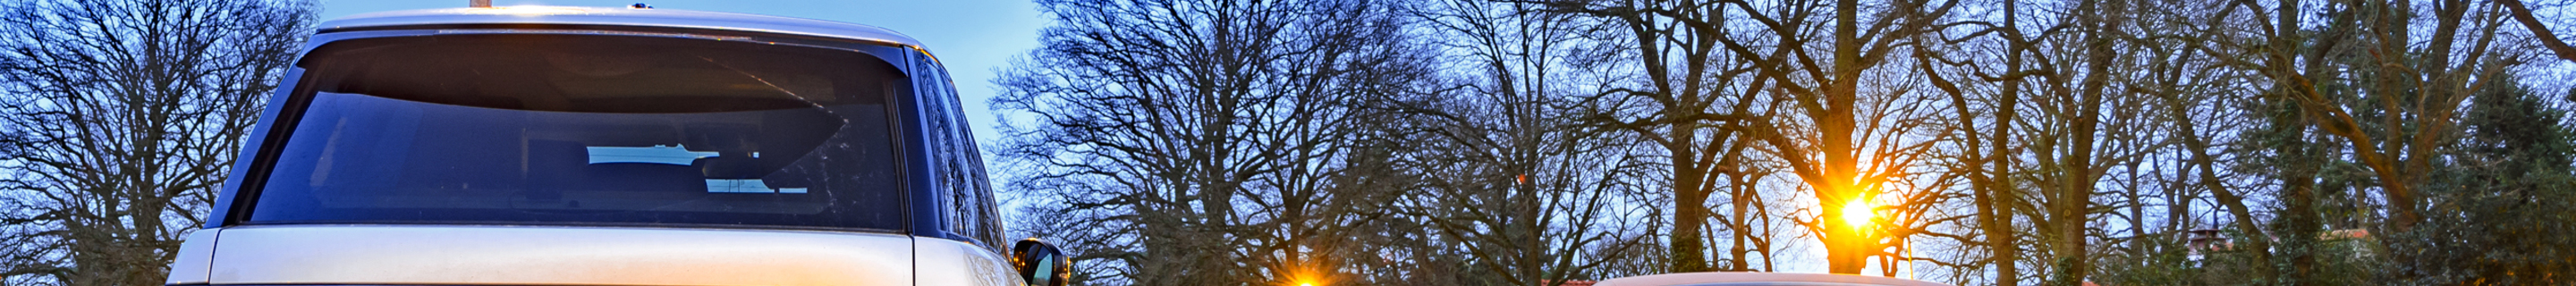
[(620, 28), (245, 197)]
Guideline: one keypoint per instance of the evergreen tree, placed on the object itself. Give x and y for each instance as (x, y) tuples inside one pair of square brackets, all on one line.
[(2504, 202)]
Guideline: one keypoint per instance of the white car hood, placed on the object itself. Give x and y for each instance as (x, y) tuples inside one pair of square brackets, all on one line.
[(526, 255)]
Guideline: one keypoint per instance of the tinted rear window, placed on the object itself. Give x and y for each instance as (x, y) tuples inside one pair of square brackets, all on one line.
[(588, 129)]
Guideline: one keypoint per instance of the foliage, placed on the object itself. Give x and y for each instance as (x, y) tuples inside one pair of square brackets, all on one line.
[(2504, 202)]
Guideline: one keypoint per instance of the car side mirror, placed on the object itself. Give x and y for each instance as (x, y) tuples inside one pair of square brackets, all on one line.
[(1039, 263)]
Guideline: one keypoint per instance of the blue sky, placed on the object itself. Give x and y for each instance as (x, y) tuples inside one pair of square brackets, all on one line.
[(973, 37)]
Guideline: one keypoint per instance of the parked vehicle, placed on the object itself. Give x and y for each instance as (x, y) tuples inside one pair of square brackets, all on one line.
[(1761, 279), (609, 146)]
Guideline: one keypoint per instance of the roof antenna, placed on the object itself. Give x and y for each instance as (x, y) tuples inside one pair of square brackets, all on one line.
[(479, 3)]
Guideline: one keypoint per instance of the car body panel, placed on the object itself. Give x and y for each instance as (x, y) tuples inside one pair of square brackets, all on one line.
[(1761, 279), (619, 16), (951, 262), (530, 255), (189, 265)]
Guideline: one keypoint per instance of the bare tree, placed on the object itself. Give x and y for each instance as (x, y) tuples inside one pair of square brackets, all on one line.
[(1855, 146), (1985, 88), (2539, 31), (1692, 97), (2113, 141), (1217, 142), (2085, 128), (1530, 197), (124, 116), (1721, 76)]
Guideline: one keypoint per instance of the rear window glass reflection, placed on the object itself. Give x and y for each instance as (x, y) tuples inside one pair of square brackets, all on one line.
[(557, 129)]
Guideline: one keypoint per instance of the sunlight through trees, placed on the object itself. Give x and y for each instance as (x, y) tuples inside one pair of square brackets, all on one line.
[(1548, 142), (1980, 142)]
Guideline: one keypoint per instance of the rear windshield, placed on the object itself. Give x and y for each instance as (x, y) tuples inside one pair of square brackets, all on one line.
[(588, 129)]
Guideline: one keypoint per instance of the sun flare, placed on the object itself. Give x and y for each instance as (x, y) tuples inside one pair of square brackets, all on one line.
[(1858, 213)]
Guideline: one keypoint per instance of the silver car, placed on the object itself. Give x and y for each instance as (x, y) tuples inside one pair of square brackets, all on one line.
[(609, 146), (1761, 279)]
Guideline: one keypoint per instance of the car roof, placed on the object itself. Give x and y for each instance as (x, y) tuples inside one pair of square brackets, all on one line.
[(1761, 278), (622, 16)]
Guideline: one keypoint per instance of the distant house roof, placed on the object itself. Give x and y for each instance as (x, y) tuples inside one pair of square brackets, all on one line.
[(623, 16)]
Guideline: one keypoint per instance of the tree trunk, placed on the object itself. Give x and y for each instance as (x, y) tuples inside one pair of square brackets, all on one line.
[(1690, 204), (1848, 244)]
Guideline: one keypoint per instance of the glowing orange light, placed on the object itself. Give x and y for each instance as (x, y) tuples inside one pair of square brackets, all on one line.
[(1301, 276), (1859, 213)]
